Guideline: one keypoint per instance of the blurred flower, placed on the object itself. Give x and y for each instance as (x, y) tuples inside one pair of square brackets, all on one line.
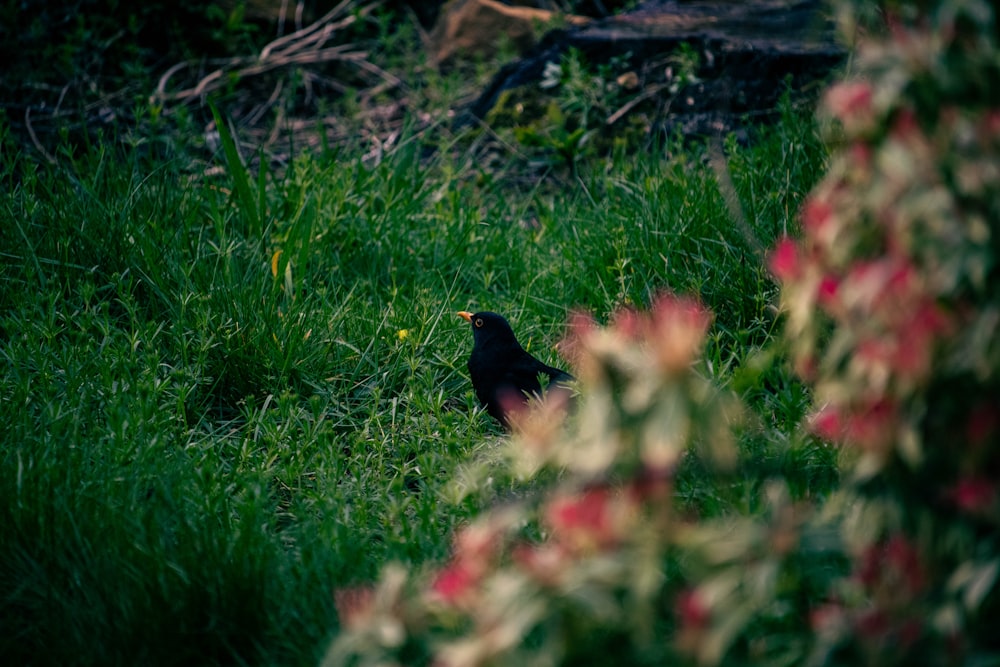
[(547, 563), (893, 570), (827, 294), (538, 427), (478, 543), (693, 617), (975, 495), (573, 346), (455, 583), (355, 606), (591, 520), (784, 260), (476, 552), (679, 328), (816, 215), (851, 103), (872, 425), (828, 620), (905, 127), (828, 423)]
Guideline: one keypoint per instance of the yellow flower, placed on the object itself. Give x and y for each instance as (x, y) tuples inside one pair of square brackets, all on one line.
[(402, 334)]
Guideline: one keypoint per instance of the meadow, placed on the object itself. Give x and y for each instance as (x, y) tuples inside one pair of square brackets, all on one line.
[(226, 393)]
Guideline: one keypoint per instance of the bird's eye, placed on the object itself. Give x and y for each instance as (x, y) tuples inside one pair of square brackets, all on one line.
[(479, 322)]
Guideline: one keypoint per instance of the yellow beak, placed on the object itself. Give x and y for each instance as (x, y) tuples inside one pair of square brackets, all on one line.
[(465, 315)]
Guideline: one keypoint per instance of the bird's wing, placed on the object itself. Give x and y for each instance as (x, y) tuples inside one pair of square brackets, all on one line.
[(560, 376), (528, 371)]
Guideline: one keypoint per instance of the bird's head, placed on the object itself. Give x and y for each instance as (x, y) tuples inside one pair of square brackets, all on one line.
[(489, 328)]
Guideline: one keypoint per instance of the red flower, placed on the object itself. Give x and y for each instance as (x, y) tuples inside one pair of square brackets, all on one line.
[(905, 126), (901, 279), (872, 426), (691, 610), (583, 521), (902, 557), (894, 564), (693, 616), (974, 494), (872, 624), (828, 424), (454, 583), (826, 293), (785, 262)]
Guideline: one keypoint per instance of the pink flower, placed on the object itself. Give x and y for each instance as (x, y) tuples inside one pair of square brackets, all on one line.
[(875, 351), (784, 261), (870, 426), (861, 154), (679, 328), (888, 289), (581, 326), (816, 214), (915, 337), (912, 357), (629, 322), (850, 101), (476, 551), (478, 543), (546, 563)]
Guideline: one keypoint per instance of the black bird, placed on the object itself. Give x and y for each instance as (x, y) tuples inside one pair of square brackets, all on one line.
[(503, 373)]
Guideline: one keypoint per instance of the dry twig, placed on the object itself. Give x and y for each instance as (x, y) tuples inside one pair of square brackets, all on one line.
[(306, 46)]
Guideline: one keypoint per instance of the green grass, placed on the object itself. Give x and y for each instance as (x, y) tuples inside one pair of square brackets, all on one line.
[(196, 452)]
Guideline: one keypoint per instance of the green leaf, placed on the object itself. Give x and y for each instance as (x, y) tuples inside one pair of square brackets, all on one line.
[(241, 179)]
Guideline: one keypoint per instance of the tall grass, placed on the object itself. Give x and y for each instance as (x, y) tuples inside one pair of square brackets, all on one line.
[(224, 397)]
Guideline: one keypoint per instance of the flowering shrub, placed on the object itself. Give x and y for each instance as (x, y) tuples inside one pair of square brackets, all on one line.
[(598, 565), (891, 299), (893, 302)]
